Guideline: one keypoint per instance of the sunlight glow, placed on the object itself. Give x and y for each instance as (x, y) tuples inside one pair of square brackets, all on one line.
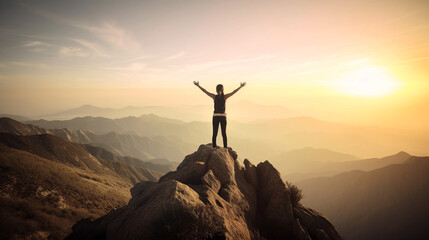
[(368, 81)]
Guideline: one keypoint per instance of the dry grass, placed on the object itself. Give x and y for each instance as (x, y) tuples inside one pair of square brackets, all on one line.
[(42, 199), (295, 193)]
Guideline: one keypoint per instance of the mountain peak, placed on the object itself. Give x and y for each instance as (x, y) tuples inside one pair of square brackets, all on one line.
[(398, 157), (88, 106), (211, 196), (403, 154)]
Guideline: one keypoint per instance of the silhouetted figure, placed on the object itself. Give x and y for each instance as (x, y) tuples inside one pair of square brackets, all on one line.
[(219, 115)]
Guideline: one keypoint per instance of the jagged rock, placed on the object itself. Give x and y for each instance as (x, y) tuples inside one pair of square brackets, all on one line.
[(299, 233), (273, 198), (211, 196), (210, 180), (250, 173), (141, 186)]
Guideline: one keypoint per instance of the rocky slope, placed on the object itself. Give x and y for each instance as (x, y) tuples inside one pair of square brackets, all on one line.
[(211, 196), (48, 183)]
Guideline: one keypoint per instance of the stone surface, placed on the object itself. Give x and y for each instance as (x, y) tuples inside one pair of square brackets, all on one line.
[(211, 196)]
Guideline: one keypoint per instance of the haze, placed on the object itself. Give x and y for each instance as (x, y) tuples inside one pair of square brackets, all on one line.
[(357, 62)]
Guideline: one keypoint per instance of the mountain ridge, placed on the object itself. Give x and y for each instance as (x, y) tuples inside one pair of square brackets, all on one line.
[(242, 110), (384, 203), (328, 169), (62, 151), (273, 134), (53, 148), (144, 148), (18, 118)]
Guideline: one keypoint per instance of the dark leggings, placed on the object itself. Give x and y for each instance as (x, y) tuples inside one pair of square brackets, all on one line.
[(222, 121)]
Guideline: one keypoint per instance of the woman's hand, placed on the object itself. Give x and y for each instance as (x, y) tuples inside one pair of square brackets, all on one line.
[(197, 83), (242, 84)]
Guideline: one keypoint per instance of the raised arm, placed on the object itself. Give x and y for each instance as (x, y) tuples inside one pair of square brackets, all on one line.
[(236, 90), (205, 91)]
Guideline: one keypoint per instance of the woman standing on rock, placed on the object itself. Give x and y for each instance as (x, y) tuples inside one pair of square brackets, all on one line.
[(219, 115)]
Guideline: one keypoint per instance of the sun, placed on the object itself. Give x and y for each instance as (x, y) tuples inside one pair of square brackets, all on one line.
[(368, 81)]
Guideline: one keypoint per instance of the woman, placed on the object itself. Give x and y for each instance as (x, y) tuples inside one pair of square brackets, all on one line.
[(219, 115)]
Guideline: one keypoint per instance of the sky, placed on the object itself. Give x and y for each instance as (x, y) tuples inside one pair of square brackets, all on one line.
[(360, 62)]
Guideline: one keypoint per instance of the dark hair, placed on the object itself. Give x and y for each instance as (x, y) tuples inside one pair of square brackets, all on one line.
[(219, 88)]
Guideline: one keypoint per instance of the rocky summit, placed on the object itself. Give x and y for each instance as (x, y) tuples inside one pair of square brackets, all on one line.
[(211, 196)]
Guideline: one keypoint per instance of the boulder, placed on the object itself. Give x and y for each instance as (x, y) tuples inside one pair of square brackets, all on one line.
[(211, 196)]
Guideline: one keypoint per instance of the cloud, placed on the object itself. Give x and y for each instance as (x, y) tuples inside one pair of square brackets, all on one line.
[(68, 51), (97, 49), (34, 44), (175, 56), (135, 59), (139, 69), (106, 31), (111, 33), (219, 63), (72, 52)]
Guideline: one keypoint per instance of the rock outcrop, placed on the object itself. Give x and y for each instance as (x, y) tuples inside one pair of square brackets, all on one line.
[(210, 196)]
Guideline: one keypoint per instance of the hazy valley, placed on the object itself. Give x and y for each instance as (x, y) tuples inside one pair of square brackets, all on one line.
[(273, 133), (385, 203), (59, 170)]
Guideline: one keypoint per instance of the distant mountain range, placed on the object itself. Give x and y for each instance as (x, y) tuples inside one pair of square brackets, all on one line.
[(363, 141), (305, 163), (305, 159), (241, 110), (47, 183), (258, 138), (314, 154), (153, 149), (275, 129), (385, 203), (146, 125)]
